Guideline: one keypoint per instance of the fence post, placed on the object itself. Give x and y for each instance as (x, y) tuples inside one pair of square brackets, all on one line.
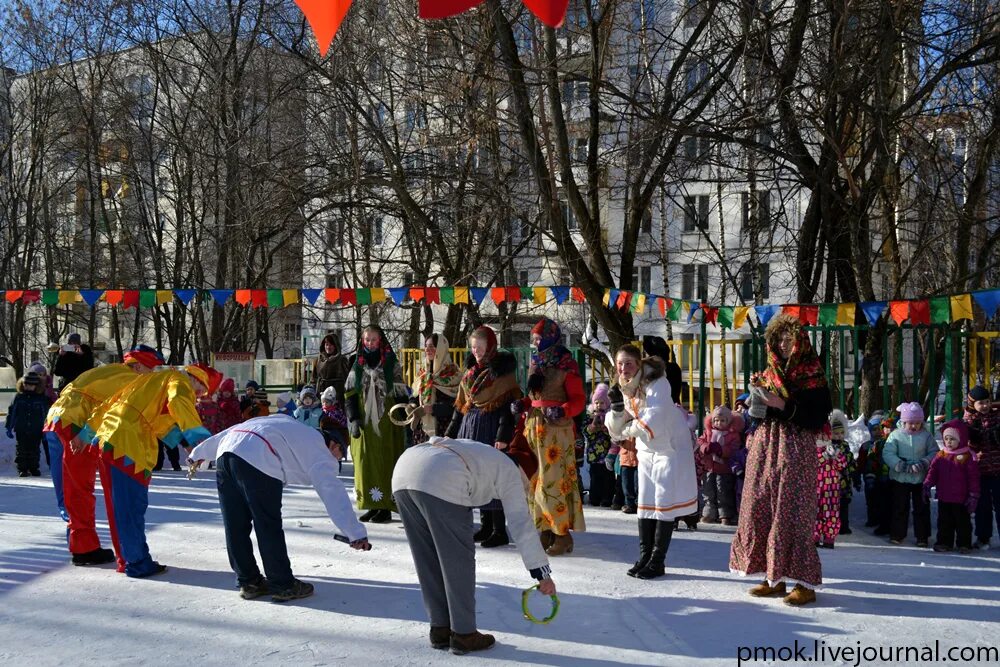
[(703, 345)]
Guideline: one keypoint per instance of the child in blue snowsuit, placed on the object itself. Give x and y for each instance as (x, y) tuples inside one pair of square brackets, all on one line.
[(25, 420)]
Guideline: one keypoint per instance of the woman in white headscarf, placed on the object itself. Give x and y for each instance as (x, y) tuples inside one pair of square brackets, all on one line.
[(434, 391)]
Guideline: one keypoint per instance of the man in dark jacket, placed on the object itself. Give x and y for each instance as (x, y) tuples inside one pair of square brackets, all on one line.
[(74, 358)]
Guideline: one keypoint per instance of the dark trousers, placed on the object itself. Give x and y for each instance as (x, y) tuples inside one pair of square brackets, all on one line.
[(845, 513), (903, 495), (878, 503), (718, 492), (619, 497), (602, 485), (954, 518), (988, 508), (27, 453), (630, 485), (172, 453), (251, 499)]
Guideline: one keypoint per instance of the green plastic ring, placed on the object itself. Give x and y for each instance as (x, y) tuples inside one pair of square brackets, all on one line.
[(527, 614)]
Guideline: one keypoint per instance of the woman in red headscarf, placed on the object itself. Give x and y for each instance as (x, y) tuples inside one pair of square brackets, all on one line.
[(778, 512), (555, 397), (483, 413)]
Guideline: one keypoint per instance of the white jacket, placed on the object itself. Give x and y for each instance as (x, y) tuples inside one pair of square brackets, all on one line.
[(284, 448), (471, 474)]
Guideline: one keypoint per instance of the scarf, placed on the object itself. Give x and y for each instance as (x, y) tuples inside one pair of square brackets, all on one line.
[(480, 376), (440, 375), (373, 374), (802, 370), (550, 353)]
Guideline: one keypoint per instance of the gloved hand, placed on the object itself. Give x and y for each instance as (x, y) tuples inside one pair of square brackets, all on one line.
[(554, 413), (355, 428), (917, 468), (900, 465), (617, 399), (927, 493), (516, 408), (970, 503), (10, 433), (609, 463)]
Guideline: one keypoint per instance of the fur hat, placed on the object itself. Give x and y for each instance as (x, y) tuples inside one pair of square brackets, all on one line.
[(838, 422), (723, 411), (910, 412), (307, 391), (959, 429), (329, 395), (979, 393), (600, 396)]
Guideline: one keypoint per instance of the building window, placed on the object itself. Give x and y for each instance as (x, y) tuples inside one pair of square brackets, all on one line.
[(334, 280), (696, 148), (694, 74), (517, 231), (565, 278), (695, 213), (569, 219), (750, 280), (763, 201), (580, 149), (408, 279), (687, 281), (293, 331), (703, 282), (522, 278), (377, 237)]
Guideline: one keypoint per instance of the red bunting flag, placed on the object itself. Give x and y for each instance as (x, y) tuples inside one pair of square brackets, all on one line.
[(433, 295), (624, 299), (499, 295), (14, 295), (258, 298), (131, 298), (792, 310), (114, 297), (513, 293), (577, 295), (349, 297), (661, 303), (809, 315), (550, 12), (31, 296), (325, 17), (920, 312), (711, 314)]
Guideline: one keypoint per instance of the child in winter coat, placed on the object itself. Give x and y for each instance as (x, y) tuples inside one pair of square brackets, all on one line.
[(628, 463), (612, 463), (956, 475), (309, 410), (850, 478), (210, 413), (721, 439), (908, 453), (875, 475), (597, 443), (229, 405), (25, 420), (831, 464), (254, 404), (983, 419)]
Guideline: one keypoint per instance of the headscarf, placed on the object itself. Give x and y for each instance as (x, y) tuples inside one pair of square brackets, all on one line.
[(550, 353), (374, 358), (479, 376), (374, 377), (802, 370), (441, 374)]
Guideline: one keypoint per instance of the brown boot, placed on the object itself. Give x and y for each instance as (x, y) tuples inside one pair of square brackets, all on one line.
[(763, 590), (440, 636), (800, 595), (474, 641), (547, 537), (563, 544)]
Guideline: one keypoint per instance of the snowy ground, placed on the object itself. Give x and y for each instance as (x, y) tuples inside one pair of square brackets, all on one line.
[(367, 607)]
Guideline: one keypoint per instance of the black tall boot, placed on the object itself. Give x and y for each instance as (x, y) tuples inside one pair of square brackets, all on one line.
[(499, 536), (647, 535), (661, 542), (845, 518), (486, 528)]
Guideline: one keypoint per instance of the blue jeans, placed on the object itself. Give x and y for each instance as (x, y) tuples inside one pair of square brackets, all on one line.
[(54, 445), (251, 499), (988, 508), (630, 485), (130, 499)]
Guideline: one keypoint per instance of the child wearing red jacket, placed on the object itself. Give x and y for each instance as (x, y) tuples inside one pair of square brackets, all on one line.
[(955, 473), (721, 439)]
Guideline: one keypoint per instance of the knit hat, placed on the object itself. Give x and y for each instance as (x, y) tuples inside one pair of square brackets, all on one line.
[(74, 339), (838, 422), (959, 429), (329, 395), (307, 391), (979, 393), (251, 383), (206, 375), (228, 385), (38, 368), (600, 396), (742, 399), (910, 412), (722, 411), (31, 379), (260, 395), (145, 355)]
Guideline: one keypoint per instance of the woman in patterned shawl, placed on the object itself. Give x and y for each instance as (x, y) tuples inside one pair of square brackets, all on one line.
[(434, 391), (482, 413), (775, 534), (374, 385), (555, 397)]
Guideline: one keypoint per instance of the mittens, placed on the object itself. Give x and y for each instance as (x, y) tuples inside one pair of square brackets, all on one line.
[(617, 399), (355, 427), (609, 463), (900, 466), (970, 503), (917, 468), (554, 413)]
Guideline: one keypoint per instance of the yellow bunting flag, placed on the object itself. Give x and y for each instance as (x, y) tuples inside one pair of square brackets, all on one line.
[(378, 295), (640, 303), (846, 313), (289, 296), (164, 296), (607, 297), (740, 316), (539, 295), (961, 307), (461, 295), (68, 296)]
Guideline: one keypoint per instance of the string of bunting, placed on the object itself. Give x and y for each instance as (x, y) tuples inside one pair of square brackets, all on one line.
[(932, 310)]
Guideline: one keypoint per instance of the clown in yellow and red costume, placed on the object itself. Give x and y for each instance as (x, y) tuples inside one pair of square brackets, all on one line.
[(67, 433), (157, 407)]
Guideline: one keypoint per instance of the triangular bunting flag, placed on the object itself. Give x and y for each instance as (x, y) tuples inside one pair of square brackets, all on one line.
[(661, 305), (961, 307), (873, 311), (114, 297), (847, 314), (740, 316), (478, 294), (147, 298), (711, 314), (577, 294), (920, 312), (726, 317), (185, 295), (638, 304), (560, 294), (940, 310), (398, 294), (624, 299), (91, 296), (693, 308), (221, 296), (243, 297), (989, 301), (311, 295), (674, 309), (765, 313), (899, 311)]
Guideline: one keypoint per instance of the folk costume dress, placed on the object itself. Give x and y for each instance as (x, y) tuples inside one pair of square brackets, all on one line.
[(155, 407), (778, 514), (555, 398), (374, 385), (435, 390), (77, 404)]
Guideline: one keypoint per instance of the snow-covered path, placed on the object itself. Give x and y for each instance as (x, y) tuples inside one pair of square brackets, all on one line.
[(367, 607)]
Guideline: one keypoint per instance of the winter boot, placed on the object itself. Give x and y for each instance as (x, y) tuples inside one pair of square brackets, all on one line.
[(799, 596), (499, 536), (382, 516), (298, 589), (474, 641), (647, 535), (367, 516), (254, 589), (95, 557), (661, 542), (440, 636), (486, 526), (563, 544), (764, 589)]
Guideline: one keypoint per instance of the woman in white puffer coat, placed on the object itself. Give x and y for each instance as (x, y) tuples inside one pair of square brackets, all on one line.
[(642, 408)]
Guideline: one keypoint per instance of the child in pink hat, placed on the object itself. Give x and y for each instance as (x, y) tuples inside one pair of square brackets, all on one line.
[(908, 453), (955, 473)]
